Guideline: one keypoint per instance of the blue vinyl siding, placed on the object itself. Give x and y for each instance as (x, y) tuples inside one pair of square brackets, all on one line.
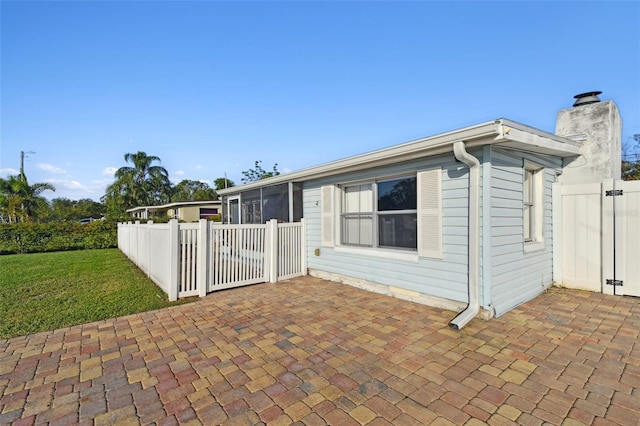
[(446, 277), (516, 276)]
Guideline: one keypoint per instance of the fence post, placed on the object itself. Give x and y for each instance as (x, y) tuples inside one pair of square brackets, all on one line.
[(557, 232), (174, 260), (202, 261), (137, 240), (607, 237), (118, 235), (272, 250), (303, 246), (149, 225), (129, 242)]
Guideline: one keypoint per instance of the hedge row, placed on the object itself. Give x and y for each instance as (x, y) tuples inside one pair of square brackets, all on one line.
[(56, 236)]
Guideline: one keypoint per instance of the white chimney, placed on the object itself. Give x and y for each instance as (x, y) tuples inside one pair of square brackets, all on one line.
[(598, 126)]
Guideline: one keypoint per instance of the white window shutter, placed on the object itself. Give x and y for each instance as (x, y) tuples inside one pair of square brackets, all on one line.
[(327, 194), (430, 213)]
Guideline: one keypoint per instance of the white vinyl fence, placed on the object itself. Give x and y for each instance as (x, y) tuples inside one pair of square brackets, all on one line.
[(597, 235), (193, 259)]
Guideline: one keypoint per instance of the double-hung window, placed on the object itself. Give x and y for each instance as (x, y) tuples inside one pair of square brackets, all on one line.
[(533, 191), (380, 213), (529, 205), (357, 215), (402, 213)]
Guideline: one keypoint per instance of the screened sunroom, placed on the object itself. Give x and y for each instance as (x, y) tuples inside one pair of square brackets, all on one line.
[(282, 202)]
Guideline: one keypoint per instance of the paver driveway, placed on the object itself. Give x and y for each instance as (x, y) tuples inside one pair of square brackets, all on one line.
[(315, 352)]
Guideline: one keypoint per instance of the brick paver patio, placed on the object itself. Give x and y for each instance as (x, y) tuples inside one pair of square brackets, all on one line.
[(312, 352)]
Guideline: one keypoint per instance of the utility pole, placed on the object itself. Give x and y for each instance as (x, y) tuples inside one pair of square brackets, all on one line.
[(22, 153)]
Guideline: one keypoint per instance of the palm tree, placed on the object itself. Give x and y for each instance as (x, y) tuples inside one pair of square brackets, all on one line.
[(19, 201), (158, 188), (142, 184)]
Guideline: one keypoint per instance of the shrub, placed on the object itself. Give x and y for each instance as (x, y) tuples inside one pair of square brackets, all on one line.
[(215, 218), (56, 236)]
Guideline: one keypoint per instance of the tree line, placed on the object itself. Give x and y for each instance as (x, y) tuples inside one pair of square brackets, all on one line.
[(143, 182)]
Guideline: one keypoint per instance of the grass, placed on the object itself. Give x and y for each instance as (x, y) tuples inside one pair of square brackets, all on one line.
[(46, 291)]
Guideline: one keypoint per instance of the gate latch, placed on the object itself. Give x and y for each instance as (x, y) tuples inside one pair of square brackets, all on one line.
[(613, 192), (614, 282)]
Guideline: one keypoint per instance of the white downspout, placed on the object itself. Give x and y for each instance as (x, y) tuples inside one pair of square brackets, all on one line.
[(473, 308)]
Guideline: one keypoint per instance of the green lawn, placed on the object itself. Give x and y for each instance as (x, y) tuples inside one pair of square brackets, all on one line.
[(46, 291)]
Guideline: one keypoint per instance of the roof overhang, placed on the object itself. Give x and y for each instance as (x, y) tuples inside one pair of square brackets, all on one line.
[(500, 132), (177, 204)]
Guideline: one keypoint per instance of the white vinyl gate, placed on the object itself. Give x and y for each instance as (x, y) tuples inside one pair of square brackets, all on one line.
[(193, 259), (238, 255), (597, 245)]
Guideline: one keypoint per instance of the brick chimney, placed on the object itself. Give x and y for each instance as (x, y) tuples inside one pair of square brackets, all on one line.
[(598, 126)]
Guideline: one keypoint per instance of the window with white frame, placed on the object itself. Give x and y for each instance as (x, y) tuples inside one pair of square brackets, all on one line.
[(381, 213), (403, 213), (532, 202), (357, 215)]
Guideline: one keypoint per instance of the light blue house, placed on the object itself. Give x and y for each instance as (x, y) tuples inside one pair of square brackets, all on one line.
[(460, 220)]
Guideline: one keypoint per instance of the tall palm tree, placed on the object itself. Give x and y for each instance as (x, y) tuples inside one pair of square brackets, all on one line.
[(141, 184), (159, 188), (19, 201)]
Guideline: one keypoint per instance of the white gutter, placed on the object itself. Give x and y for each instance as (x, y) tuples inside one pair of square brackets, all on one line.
[(474, 233)]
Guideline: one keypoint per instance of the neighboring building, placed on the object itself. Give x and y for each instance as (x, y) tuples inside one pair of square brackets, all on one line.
[(186, 211), (460, 220)]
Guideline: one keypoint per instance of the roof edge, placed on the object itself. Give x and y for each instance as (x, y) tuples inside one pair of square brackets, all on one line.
[(487, 133), (423, 145), (174, 204)]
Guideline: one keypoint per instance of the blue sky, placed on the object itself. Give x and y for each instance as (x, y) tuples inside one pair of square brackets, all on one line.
[(210, 87)]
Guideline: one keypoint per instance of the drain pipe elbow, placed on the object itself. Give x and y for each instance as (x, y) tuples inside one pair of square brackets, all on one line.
[(473, 307)]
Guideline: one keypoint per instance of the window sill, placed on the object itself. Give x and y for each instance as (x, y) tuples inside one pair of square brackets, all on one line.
[(383, 253), (533, 246)]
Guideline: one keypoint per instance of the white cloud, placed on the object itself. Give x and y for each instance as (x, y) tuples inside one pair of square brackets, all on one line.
[(179, 173), (199, 167), (51, 169), (207, 181), (109, 171), (8, 172), (72, 185), (74, 190), (105, 181)]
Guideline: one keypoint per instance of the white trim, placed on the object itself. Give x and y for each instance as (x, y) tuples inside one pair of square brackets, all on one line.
[(533, 246), (556, 194), (487, 166), (229, 218), (395, 254)]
